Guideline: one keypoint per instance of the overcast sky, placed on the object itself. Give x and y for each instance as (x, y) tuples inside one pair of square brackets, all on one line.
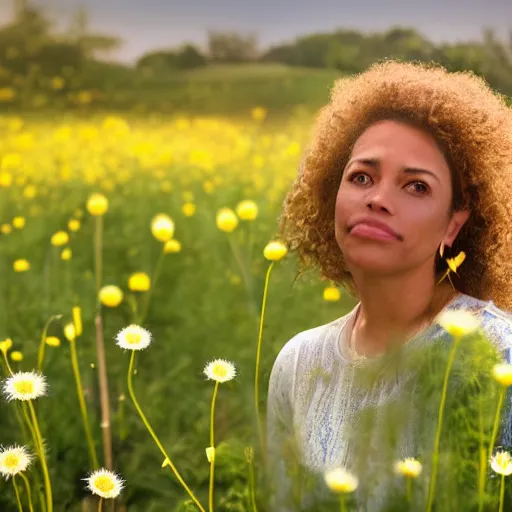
[(147, 24)]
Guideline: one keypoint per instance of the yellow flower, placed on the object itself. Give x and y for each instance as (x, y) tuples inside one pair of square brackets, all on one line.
[(97, 204), (502, 373), (162, 227), (7, 94), (275, 251), (21, 265), (57, 83), (6, 229), (105, 483), (18, 222), (74, 225), (259, 113), (133, 337), (172, 246), (501, 463), (332, 294), (456, 262), (341, 481), (139, 282), (70, 331), (52, 341), (247, 210), (5, 345), (409, 467), (227, 220), (210, 454), (220, 370), (188, 209), (458, 322), (25, 386), (111, 296), (14, 460), (77, 320), (66, 254), (5, 179), (11, 161), (16, 356), (60, 238)]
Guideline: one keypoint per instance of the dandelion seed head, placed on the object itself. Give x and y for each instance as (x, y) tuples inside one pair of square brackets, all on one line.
[(339, 480), (458, 322), (133, 337), (25, 386), (13, 460), (220, 370), (105, 483), (408, 467)]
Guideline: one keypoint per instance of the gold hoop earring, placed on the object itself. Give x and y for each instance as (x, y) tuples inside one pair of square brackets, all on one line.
[(441, 249)]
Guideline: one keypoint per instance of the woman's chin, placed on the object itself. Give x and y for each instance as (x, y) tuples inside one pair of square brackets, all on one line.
[(371, 264)]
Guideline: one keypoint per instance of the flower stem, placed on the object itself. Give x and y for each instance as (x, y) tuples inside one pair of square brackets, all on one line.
[(98, 252), (153, 435), (435, 454), (18, 500), (497, 420), (258, 358), (83, 408), (343, 505), (154, 277), (483, 459), (212, 444), (42, 458), (9, 369), (29, 494), (502, 493), (42, 343), (408, 489), (100, 505), (251, 487)]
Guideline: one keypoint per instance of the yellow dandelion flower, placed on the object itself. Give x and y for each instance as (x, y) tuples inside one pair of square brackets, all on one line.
[(247, 210), (14, 460), (77, 320), (502, 373), (21, 265), (19, 222), (456, 262), (501, 463), (52, 341), (11, 161), (275, 251), (111, 296), (458, 322), (5, 345), (339, 480), (5, 179), (6, 229), (24, 386), (210, 454), (162, 227), (70, 331), (29, 192), (139, 282), (259, 113), (105, 483), (133, 337), (60, 238), (74, 225), (331, 294), (16, 356), (172, 246), (97, 204), (409, 467), (220, 370), (226, 220), (66, 254), (188, 209)]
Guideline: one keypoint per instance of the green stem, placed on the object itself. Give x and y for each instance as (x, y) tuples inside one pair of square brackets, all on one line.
[(251, 487), (9, 369), (42, 344), (29, 494), (258, 358), (100, 505), (154, 277), (497, 419), (343, 505), (212, 444), (98, 246), (435, 454), (483, 459), (408, 489), (30, 426), (83, 407), (42, 458), (18, 500), (153, 435), (502, 493)]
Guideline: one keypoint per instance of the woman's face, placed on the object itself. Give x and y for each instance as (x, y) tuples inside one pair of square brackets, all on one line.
[(393, 203)]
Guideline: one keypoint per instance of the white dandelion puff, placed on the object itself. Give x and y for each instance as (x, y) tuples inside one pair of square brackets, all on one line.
[(25, 386), (14, 460), (105, 483), (220, 370), (133, 337)]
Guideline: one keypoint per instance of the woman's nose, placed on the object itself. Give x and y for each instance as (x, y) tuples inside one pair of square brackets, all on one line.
[(379, 200)]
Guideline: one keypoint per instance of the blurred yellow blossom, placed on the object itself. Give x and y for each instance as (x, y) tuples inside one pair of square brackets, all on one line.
[(66, 254), (188, 209), (247, 210), (111, 296), (16, 356), (21, 265), (139, 282), (74, 225), (97, 204), (5, 345), (162, 227), (502, 373), (332, 294), (57, 83), (18, 222), (70, 332), (11, 161), (226, 220), (5, 179), (275, 251), (52, 341), (6, 229), (259, 113), (172, 246), (60, 238)]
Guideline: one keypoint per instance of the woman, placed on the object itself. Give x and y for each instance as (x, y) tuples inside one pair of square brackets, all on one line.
[(409, 165)]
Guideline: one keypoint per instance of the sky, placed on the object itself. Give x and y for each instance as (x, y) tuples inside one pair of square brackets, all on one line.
[(154, 24)]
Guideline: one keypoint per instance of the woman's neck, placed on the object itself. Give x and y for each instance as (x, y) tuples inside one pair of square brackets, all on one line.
[(392, 310)]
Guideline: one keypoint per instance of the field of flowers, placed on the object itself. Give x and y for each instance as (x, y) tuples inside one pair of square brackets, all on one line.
[(107, 222)]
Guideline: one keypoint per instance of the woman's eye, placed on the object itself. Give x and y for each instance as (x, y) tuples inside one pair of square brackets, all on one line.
[(360, 179), (419, 187)]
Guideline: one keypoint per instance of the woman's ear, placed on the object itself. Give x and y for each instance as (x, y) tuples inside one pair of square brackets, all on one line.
[(458, 220)]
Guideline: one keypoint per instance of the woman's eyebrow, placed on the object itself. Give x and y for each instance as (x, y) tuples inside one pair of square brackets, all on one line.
[(374, 163)]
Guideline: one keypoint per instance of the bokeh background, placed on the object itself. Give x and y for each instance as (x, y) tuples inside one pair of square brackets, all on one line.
[(180, 108)]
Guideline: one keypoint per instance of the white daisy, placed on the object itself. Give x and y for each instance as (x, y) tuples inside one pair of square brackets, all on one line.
[(14, 460), (105, 483), (25, 386), (133, 337), (501, 463), (220, 370)]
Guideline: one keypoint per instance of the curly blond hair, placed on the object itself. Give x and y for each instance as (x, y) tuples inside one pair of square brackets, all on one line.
[(473, 127)]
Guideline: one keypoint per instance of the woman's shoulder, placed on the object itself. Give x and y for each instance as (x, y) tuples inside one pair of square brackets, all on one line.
[(496, 322)]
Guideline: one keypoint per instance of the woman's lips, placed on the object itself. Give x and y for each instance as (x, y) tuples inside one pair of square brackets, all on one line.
[(363, 230)]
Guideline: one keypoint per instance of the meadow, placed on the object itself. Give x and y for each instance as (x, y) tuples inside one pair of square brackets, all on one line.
[(203, 303)]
